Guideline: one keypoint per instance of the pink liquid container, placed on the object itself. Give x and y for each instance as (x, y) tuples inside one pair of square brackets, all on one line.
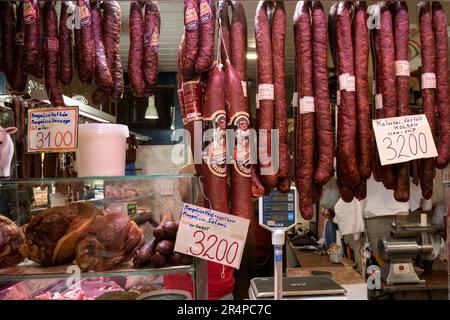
[(101, 149)]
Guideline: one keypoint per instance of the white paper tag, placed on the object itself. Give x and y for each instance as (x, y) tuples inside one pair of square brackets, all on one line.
[(295, 100), (265, 91), (429, 80), (244, 88), (402, 139), (338, 97), (212, 235), (307, 105), (257, 100), (347, 82), (379, 101), (402, 68)]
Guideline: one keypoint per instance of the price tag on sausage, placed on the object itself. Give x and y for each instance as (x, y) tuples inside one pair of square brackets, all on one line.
[(212, 235), (52, 130), (402, 139)]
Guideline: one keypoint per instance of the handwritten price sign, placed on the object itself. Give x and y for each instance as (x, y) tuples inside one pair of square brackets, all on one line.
[(402, 139), (52, 130), (212, 235)]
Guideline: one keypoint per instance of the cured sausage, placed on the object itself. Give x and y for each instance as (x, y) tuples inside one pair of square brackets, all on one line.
[(239, 120), (347, 122), (442, 93), (65, 45), (224, 23), (237, 49), (152, 27), (214, 150), (207, 32), (103, 77), (325, 136), (32, 58), (191, 34), (111, 33), (401, 36), (280, 106), (136, 52), (427, 166), (8, 20), (386, 60), (364, 131), (86, 52), (306, 110), (257, 186), (332, 33), (266, 96), (20, 77), (51, 54)]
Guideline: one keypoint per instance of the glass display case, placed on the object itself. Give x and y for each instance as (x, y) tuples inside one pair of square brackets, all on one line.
[(41, 207)]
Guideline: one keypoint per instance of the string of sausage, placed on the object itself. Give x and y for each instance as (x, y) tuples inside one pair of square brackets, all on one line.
[(325, 135), (387, 81), (152, 27), (305, 116), (32, 58), (347, 167), (65, 45), (207, 32), (214, 156), (280, 106), (20, 77), (427, 166), (111, 33), (191, 34), (360, 34), (86, 53), (266, 96), (442, 93), (51, 54), (401, 34), (136, 51)]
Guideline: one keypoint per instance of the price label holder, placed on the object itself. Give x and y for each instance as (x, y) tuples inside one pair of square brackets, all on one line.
[(212, 235), (402, 139), (278, 213), (52, 130)]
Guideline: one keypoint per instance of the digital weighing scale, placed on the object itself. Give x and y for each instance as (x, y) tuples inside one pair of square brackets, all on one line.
[(278, 213)]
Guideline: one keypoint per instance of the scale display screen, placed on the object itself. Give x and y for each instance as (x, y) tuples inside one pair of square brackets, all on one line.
[(278, 210)]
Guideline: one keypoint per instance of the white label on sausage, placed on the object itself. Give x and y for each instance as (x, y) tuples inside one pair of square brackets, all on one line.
[(244, 88), (257, 100), (379, 101), (429, 80), (265, 91), (374, 87), (338, 97), (295, 100), (347, 82), (402, 68), (307, 105)]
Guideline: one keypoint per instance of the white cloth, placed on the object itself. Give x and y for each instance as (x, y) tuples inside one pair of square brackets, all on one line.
[(349, 217), (381, 202)]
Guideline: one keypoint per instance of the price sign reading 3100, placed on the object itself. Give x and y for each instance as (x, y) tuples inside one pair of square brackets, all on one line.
[(52, 129), (402, 139)]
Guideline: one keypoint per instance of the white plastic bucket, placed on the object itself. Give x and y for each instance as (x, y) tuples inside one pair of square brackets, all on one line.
[(101, 149)]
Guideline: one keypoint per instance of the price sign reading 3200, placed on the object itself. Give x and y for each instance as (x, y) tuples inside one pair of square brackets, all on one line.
[(52, 129), (402, 139), (212, 235)]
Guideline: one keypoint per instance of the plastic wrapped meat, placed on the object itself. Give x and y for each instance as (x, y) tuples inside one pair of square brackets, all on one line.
[(111, 240), (52, 236), (11, 238)]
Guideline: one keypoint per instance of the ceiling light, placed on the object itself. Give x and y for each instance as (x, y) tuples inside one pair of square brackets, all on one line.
[(252, 56), (151, 112)]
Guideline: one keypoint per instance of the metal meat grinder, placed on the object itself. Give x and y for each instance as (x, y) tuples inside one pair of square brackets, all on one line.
[(405, 244)]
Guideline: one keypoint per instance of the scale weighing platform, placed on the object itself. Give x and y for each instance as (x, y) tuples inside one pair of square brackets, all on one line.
[(278, 213)]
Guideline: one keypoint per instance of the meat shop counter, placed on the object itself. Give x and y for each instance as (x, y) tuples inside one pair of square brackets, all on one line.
[(80, 238)]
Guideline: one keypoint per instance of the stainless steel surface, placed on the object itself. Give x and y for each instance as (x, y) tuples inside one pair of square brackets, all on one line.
[(278, 269)]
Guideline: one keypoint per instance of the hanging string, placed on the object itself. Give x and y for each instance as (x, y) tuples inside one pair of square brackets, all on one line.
[(223, 41)]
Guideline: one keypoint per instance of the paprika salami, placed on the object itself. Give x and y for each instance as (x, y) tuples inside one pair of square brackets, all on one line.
[(152, 27), (65, 45), (87, 44), (191, 34), (207, 32), (136, 51)]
